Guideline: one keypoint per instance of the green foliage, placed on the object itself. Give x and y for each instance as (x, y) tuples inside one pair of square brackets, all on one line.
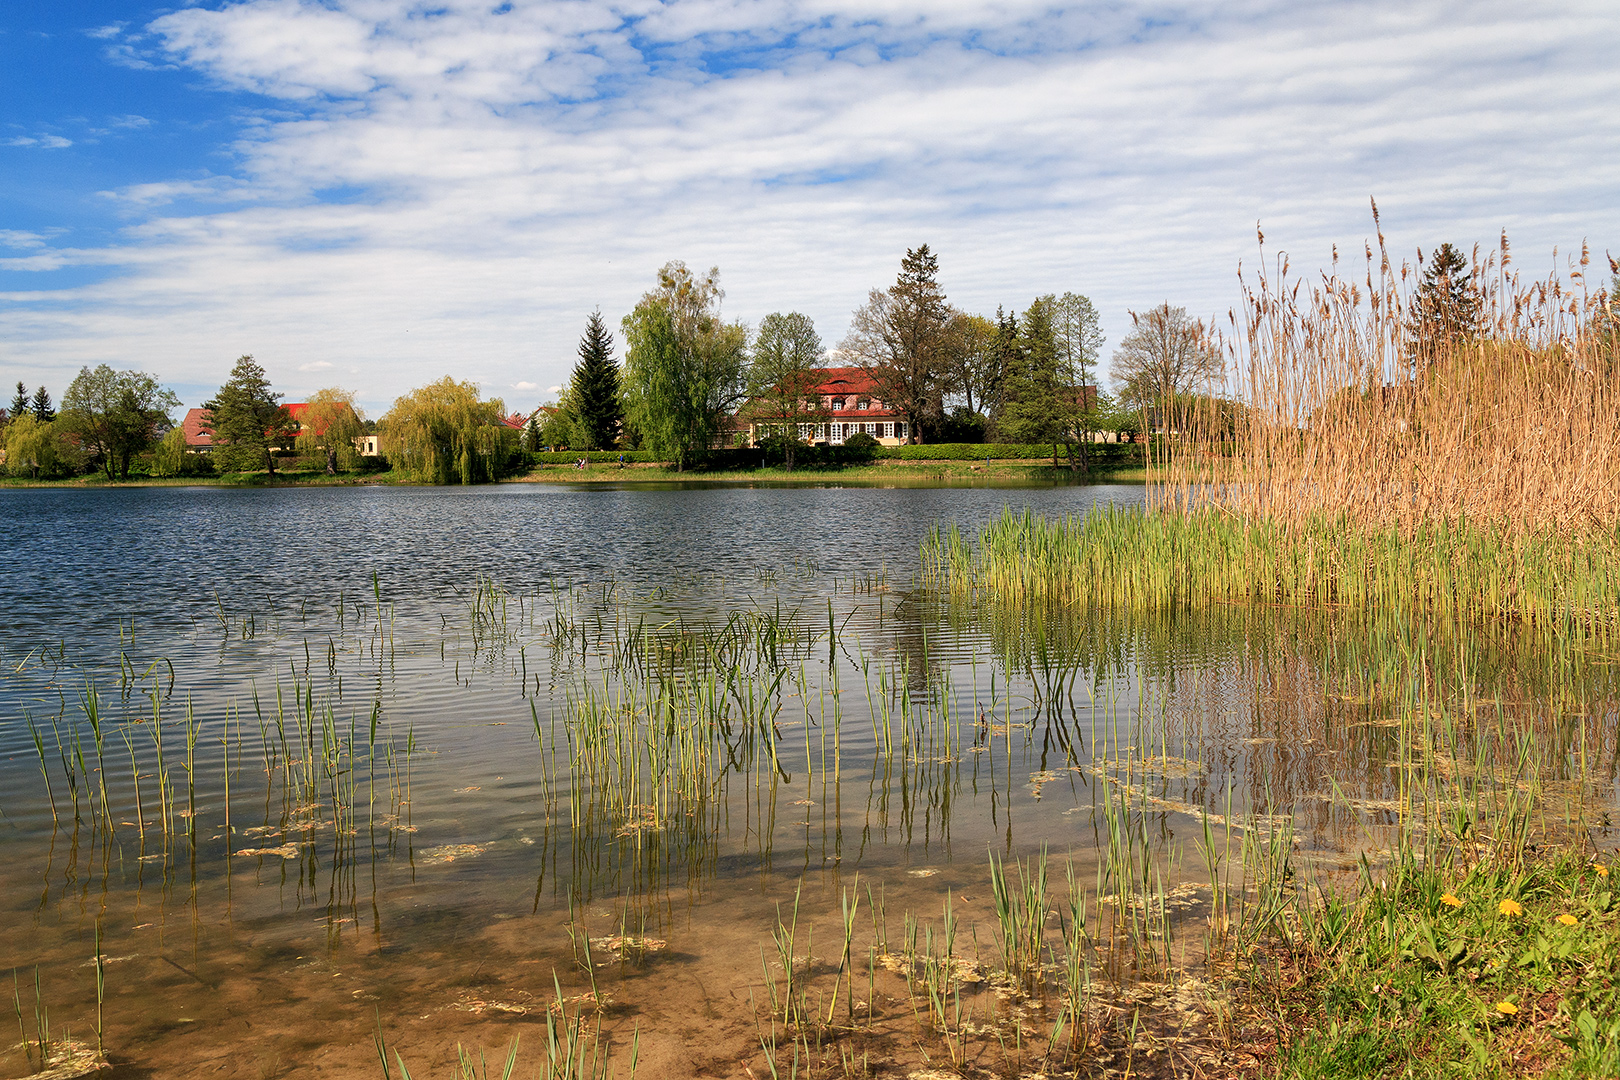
[(116, 415), (783, 378), (41, 406), (37, 449), (329, 426), (684, 369), (171, 458), (597, 404), (1137, 559), (247, 419), (595, 457), (19, 402), (1037, 397), (443, 433), (861, 448), (1448, 304), (963, 425), (1454, 961), (1109, 455)]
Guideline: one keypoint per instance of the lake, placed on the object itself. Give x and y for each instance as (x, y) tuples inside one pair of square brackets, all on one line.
[(303, 765)]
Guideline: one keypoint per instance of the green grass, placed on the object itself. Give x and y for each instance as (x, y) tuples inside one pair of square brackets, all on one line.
[(951, 471), (1499, 967)]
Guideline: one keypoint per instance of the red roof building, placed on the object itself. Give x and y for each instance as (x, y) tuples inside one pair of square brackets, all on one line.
[(849, 405)]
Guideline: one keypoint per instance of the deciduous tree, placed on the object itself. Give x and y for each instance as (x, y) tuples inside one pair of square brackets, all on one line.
[(329, 426), (596, 400), (974, 372), (443, 433), (247, 420), (788, 355), (116, 415), (902, 337), (684, 366), (36, 447), (1165, 359)]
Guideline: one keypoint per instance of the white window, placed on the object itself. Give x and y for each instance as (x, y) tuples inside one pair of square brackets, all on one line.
[(899, 431), (862, 405)]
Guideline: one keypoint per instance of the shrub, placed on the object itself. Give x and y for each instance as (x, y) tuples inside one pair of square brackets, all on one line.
[(861, 449), (1112, 455)]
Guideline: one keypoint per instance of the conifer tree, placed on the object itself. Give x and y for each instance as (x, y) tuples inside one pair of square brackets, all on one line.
[(19, 404), (43, 412), (1447, 305), (247, 420), (599, 408)]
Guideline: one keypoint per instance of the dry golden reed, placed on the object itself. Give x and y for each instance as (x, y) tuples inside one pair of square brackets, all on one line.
[(1351, 406)]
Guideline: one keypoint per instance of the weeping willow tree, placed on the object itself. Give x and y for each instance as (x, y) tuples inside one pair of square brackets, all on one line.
[(443, 434), (328, 427)]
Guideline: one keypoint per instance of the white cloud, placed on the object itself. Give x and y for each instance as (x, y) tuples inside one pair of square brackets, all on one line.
[(315, 365), (16, 238), (502, 175), (47, 142), (525, 386)]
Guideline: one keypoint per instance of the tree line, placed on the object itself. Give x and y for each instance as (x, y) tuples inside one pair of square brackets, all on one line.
[(1024, 376)]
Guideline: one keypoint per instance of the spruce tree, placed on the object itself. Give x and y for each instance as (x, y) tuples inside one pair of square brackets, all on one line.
[(247, 420), (19, 404), (1447, 305), (599, 409), (43, 412)]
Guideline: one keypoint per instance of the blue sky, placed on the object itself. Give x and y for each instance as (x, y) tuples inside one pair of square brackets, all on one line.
[(374, 193)]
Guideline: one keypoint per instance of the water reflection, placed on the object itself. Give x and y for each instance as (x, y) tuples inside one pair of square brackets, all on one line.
[(372, 773)]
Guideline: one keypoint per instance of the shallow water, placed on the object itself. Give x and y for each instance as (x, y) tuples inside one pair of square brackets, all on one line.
[(428, 706)]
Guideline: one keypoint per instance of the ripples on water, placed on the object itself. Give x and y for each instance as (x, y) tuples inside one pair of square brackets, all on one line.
[(436, 708)]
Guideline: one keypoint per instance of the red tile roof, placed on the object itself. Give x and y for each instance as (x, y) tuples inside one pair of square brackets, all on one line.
[(197, 435)]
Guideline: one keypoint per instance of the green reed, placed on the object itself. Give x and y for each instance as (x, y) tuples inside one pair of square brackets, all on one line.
[(1143, 560)]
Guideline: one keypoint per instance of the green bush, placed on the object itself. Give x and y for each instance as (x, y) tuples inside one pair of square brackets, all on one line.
[(596, 457), (861, 449), (1104, 454)]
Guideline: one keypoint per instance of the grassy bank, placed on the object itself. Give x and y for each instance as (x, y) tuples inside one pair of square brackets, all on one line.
[(1507, 965), (881, 471), (282, 478)]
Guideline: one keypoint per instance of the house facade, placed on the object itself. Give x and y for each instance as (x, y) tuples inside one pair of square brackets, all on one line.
[(849, 405)]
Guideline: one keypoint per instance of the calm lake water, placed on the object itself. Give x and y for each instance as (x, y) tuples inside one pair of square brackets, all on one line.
[(389, 755)]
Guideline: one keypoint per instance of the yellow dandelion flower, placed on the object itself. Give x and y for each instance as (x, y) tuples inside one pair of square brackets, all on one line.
[(1603, 871), (1451, 901), (1568, 920), (1510, 907), (1506, 1008)]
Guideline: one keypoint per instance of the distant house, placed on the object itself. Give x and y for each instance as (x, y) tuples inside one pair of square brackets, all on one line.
[(849, 405), (199, 440)]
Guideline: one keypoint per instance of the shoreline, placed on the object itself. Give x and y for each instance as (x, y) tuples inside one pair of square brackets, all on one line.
[(952, 472)]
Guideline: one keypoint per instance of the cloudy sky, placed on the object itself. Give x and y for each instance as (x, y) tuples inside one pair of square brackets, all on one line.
[(374, 193)]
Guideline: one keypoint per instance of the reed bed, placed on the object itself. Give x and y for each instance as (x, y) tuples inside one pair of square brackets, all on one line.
[(1143, 559), (1356, 399), (1356, 453)]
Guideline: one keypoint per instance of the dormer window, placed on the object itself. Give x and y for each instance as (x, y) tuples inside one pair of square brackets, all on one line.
[(862, 406), (838, 404)]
